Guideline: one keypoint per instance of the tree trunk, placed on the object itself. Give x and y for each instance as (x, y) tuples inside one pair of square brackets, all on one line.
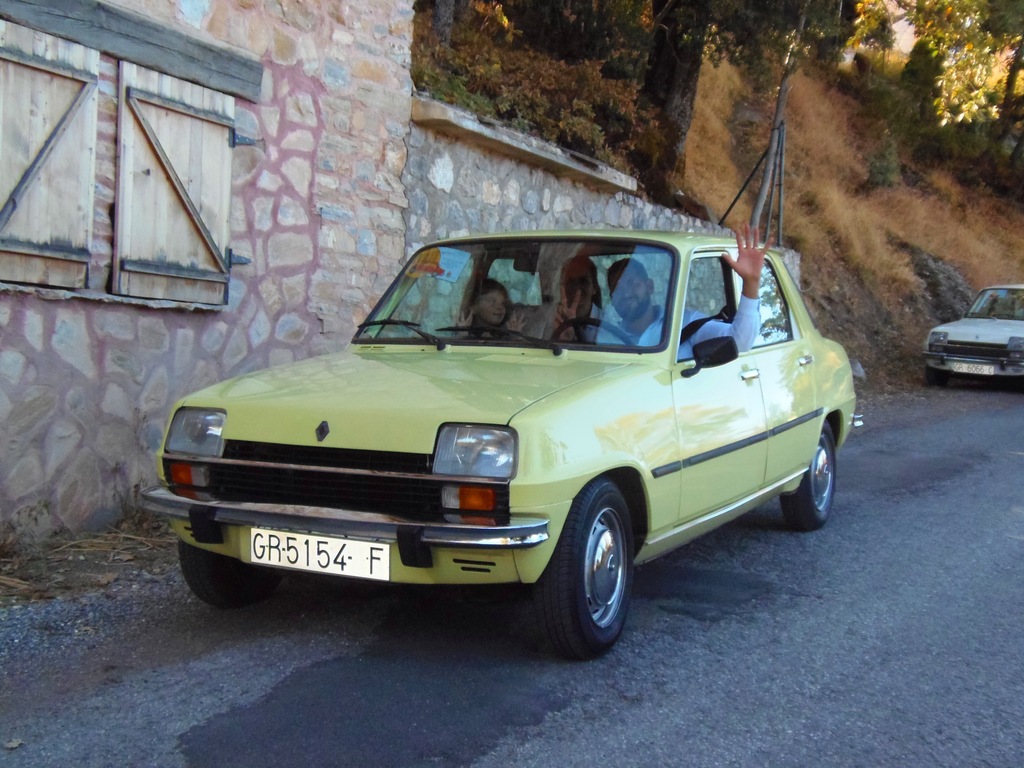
[(671, 85), (1007, 112), (446, 14), (1018, 153), (788, 70)]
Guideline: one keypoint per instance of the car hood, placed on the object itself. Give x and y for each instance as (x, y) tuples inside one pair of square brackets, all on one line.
[(390, 399), (986, 331)]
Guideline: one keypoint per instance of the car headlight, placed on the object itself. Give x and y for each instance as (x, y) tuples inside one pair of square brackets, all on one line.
[(937, 340), (475, 451), (1016, 347), (197, 432)]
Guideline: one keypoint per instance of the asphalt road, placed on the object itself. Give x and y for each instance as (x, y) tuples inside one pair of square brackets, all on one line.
[(892, 637)]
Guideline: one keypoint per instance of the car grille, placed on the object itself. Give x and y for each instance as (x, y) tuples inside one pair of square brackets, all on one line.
[(288, 474), (383, 461), (974, 349)]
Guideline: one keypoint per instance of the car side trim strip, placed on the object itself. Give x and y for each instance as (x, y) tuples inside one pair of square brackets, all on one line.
[(677, 466), (764, 493), (795, 422), (667, 469)]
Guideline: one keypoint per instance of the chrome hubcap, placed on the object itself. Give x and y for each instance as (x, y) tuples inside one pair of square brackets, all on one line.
[(822, 478), (604, 577)]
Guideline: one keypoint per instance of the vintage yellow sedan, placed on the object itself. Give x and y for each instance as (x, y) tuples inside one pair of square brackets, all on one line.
[(507, 414)]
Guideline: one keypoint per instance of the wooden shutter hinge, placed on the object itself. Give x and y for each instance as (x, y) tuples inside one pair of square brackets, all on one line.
[(235, 139), (234, 258)]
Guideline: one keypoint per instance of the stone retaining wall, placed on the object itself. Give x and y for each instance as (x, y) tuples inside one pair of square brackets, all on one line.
[(460, 180)]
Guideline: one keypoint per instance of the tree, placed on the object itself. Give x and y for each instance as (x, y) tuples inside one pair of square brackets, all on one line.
[(957, 32), (446, 14), (585, 30), (750, 32), (1006, 23), (771, 156)]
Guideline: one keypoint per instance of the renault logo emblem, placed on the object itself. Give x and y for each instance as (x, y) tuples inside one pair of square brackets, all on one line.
[(322, 431)]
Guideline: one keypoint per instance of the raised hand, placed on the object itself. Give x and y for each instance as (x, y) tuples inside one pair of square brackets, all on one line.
[(749, 260), (566, 312), (516, 321)]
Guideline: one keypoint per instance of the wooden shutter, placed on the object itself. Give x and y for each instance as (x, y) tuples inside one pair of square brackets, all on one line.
[(47, 157), (174, 188)]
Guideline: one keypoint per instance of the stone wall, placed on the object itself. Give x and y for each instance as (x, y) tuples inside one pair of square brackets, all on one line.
[(87, 378), (465, 176)]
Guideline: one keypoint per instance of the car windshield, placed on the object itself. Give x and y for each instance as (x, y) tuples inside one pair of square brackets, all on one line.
[(550, 293), (999, 304)]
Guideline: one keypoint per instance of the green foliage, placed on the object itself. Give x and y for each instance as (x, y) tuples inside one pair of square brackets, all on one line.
[(884, 165), (957, 32), (612, 31), (873, 26), (490, 70)]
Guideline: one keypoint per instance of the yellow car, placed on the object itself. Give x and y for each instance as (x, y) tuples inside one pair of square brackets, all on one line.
[(503, 416)]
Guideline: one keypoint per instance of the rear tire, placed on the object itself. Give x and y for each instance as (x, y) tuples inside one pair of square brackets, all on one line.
[(222, 581), (808, 508), (935, 377), (583, 595)]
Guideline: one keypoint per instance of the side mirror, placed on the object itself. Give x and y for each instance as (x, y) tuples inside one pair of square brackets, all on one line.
[(713, 352)]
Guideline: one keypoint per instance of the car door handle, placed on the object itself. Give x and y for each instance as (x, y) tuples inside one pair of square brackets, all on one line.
[(750, 375), (806, 360)]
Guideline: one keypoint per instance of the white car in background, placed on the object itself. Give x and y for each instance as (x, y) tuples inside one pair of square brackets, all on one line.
[(987, 342)]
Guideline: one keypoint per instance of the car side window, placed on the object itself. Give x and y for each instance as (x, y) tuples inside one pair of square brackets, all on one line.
[(705, 288), (775, 321)]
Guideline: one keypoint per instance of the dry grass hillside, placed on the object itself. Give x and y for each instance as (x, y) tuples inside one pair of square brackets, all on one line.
[(861, 271)]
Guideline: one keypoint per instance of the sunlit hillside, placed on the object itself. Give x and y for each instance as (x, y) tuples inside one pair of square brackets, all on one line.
[(857, 272)]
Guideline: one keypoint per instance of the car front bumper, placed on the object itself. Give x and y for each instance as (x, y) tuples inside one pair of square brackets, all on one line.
[(206, 516), (970, 365)]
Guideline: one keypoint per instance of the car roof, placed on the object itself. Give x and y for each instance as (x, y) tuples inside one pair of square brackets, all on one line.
[(1012, 287), (683, 241)]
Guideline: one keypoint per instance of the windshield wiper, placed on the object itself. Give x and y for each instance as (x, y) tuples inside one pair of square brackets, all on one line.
[(480, 330), (414, 327)]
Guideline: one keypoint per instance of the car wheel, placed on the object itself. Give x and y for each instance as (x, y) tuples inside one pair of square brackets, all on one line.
[(808, 507), (935, 377), (583, 594), (222, 581)]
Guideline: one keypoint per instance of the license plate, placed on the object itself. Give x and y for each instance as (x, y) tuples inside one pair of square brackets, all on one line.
[(321, 554), (975, 368)]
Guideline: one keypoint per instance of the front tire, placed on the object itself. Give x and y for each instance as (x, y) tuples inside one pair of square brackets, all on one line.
[(583, 594), (935, 377), (808, 507), (222, 581)]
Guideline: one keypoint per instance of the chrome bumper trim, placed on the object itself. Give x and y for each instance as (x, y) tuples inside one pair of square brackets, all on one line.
[(521, 534), (1002, 363)]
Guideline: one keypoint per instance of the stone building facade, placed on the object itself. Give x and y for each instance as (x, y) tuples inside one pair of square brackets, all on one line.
[(339, 171), (87, 375)]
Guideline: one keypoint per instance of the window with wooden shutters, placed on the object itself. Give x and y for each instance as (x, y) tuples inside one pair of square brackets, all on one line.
[(47, 157), (174, 189)]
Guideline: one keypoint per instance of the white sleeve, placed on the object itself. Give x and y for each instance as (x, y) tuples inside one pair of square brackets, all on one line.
[(747, 323), (744, 326)]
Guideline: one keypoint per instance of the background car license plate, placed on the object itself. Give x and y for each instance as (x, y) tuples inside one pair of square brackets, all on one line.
[(976, 368), (321, 554)]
